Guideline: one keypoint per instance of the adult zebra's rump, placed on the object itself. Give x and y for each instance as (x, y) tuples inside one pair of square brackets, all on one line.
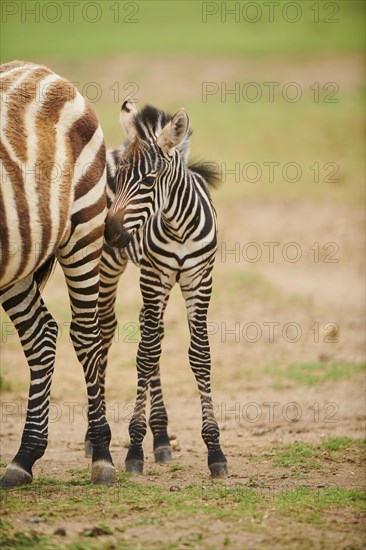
[(53, 206)]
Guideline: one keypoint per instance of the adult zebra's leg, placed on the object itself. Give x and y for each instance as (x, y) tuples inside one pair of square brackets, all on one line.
[(158, 420), (37, 331), (81, 266), (154, 295), (197, 301), (113, 264)]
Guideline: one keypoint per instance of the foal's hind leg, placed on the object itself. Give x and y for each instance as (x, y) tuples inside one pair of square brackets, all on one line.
[(37, 331), (197, 297), (158, 421)]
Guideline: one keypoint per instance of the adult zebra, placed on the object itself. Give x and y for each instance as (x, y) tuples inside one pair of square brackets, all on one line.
[(163, 209), (53, 206)]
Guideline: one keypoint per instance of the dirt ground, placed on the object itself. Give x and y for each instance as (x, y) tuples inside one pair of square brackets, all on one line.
[(315, 309)]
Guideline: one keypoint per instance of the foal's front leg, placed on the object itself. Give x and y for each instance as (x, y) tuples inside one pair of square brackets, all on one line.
[(112, 265), (197, 299), (154, 294)]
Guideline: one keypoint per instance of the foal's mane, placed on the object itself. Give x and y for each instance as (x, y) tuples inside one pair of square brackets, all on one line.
[(150, 121)]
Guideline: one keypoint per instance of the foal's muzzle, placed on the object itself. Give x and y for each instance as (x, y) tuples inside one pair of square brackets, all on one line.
[(115, 234)]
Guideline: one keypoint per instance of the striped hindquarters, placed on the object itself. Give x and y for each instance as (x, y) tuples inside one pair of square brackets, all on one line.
[(50, 143)]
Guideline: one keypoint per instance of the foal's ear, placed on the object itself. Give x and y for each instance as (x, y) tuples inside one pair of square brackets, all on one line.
[(126, 116), (174, 132)]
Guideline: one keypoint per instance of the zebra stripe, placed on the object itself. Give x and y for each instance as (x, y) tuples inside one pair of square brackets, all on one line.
[(53, 207), (113, 264), (162, 209)]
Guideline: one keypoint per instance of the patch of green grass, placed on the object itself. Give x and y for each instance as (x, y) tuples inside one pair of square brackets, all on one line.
[(304, 504), (137, 504), (190, 541), (177, 467), (153, 472), (298, 456), (313, 374), (81, 476), (123, 477), (133, 503), (20, 540), (101, 530), (149, 521), (45, 480), (89, 545), (301, 457), (5, 526), (337, 443)]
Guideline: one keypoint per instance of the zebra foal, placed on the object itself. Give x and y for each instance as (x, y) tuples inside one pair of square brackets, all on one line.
[(113, 264), (52, 207), (162, 207)]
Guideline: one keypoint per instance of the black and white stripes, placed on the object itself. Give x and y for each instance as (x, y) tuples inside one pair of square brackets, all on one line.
[(163, 209), (53, 206)]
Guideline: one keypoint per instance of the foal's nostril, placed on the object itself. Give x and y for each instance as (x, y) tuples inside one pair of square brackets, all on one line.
[(115, 234), (112, 230)]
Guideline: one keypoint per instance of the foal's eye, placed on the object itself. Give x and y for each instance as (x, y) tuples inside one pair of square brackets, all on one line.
[(149, 180)]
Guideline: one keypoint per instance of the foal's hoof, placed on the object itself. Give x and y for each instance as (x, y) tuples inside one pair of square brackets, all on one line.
[(103, 473), (163, 455), (134, 466), (15, 475), (88, 449), (218, 470)]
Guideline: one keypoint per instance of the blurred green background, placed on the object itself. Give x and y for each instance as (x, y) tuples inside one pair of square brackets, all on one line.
[(201, 28), (165, 53)]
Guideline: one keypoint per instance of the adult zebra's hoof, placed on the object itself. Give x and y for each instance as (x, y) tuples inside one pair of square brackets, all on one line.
[(163, 455), (15, 475), (134, 466), (218, 470), (103, 473), (88, 449)]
